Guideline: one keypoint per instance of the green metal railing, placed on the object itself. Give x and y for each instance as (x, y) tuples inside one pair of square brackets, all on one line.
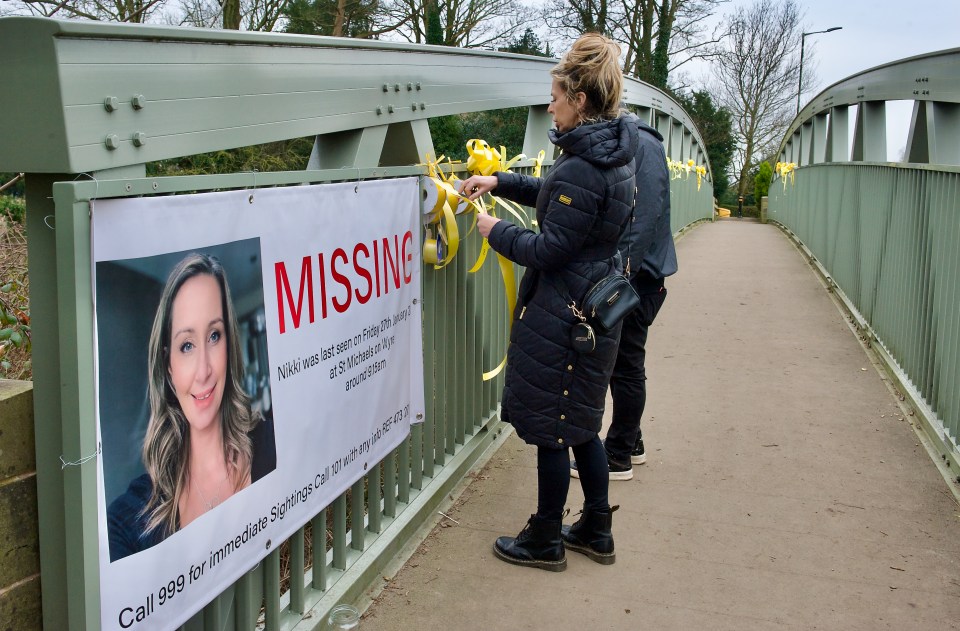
[(884, 234), (87, 105)]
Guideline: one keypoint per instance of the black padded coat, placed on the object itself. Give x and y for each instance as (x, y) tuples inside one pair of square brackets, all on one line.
[(554, 396)]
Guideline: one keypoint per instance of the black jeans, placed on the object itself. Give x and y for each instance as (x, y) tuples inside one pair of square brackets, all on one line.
[(628, 384), (553, 478)]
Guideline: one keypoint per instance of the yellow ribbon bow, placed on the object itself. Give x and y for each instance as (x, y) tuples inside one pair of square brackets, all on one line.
[(442, 249), (701, 172), (785, 169)]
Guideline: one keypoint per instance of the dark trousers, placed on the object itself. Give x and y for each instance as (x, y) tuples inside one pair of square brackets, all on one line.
[(553, 478), (628, 384)]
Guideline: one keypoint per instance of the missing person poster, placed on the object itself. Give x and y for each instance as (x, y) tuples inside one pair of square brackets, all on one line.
[(257, 352)]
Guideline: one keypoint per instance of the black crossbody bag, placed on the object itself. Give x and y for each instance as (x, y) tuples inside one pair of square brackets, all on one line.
[(604, 305)]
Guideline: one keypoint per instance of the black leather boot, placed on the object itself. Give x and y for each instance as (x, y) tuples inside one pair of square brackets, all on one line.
[(537, 545), (591, 535)]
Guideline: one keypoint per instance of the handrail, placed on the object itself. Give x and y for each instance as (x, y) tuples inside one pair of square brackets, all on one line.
[(106, 96)]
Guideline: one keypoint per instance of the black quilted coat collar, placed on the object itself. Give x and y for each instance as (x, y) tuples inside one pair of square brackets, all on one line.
[(605, 144)]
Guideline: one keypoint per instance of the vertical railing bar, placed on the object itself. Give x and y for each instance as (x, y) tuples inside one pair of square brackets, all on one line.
[(928, 288), (921, 308), (425, 445), (213, 614), (493, 290), (937, 325), (271, 589), (340, 533), (459, 343), (246, 611), (319, 551), (951, 411), (416, 459), (297, 572), (390, 490), (374, 507), (443, 439), (404, 470), (357, 537), (907, 291), (471, 358)]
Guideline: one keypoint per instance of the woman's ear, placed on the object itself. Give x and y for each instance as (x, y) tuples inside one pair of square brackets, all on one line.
[(581, 102)]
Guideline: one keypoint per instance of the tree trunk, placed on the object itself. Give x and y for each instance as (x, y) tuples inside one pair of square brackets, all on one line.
[(434, 27), (338, 20), (661, 52), (231, 15)]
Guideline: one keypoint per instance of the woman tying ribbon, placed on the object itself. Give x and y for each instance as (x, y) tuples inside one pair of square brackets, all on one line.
[(553, 395)]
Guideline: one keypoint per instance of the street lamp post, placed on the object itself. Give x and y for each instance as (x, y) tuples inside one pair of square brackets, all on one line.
[(803, 37)]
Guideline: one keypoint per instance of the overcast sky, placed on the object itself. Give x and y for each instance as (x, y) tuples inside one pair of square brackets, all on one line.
[(874, 33)]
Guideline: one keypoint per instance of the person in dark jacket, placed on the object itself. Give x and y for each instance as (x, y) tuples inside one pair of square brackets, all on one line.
[(553, 395), (649, 254)]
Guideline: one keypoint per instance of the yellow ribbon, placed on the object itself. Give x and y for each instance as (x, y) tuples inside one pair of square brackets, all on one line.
[(483, 160), (676, 169), (785, 169), (680, 169), (441, 251)]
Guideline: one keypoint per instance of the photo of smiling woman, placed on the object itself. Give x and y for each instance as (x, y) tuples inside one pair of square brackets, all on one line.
[(205, 441)]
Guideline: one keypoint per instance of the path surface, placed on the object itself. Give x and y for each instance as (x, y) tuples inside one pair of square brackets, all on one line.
[(784, 488)]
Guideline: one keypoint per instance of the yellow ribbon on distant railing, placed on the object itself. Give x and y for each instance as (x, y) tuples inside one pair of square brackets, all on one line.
[(701, 172), (680, 169), (785, 169), (676, 169)]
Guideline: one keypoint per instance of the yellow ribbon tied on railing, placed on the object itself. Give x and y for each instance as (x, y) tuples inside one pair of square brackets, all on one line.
[(442, 203), (785, 169), (701, 172), (485, 160), (676, 169), (680, 170)]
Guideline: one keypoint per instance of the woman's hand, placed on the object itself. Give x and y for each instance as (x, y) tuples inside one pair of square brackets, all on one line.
[(476, 185), (485, 223), (472, 188)]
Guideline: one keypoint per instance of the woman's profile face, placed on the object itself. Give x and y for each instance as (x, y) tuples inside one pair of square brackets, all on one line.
[(198, 350), (565, 114)]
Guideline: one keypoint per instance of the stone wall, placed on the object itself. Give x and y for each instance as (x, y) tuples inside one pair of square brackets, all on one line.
[(19, 536)]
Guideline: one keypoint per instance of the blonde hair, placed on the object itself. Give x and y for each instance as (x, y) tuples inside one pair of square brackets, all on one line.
[(592, 66), (167, 443)]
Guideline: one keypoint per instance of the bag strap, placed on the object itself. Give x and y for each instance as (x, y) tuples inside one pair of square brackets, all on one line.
[(561, 286), (633, 210)]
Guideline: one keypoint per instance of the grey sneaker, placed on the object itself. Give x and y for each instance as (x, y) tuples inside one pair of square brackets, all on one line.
[(617, 471), (638, 455)]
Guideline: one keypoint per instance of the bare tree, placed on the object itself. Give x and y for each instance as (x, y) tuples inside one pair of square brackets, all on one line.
[(575, 17), (463, 23), (250, 15), (658, 35), (100, 10), (757, 78)]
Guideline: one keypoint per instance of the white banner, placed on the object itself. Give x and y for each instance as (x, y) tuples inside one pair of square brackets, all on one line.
[(257, 353)]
